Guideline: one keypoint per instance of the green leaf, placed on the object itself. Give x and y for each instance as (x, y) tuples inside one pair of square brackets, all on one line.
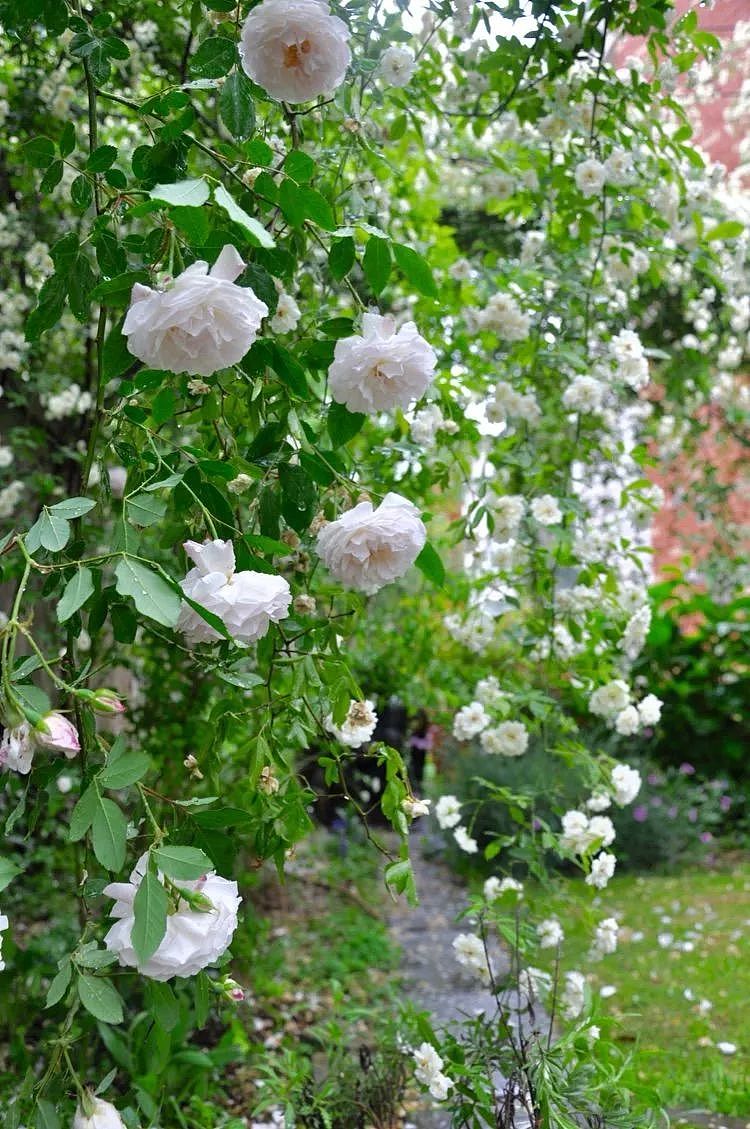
[(46, 1115), (342, 424), (39, 152), (299, 166), (100, 998), (49, 307), (300, 203), (163, 1004), (67, 142), (83, 814), (81, 193), (341, 257), (102, 158), (72, 507), (124, 771), (59, 984), (416, 269), (182, 862), (144, 509), (8, 871), (431, 565), (49, 531), (150, 910), (237, 106), (299, 497), (214, 58), (117, 290), (376, 263), (729, 229), (254, 230), (52, 177), (151, 595), (109, 834), (76, 593), (185, 193)]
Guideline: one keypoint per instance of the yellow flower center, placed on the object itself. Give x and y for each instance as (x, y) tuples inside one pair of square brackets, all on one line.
[(294, 52)]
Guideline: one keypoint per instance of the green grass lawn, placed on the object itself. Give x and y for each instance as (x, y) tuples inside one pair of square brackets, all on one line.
[(674, 1003)]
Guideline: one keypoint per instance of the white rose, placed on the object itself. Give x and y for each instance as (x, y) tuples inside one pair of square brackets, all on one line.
[(397, 65), (382, 368), (295, 49), (98, 1115), (590, 177), (193, 940), (287, 314), (202, 323), (246, 602), (626, 782), (448, 812), (368, 548), (508, 739)]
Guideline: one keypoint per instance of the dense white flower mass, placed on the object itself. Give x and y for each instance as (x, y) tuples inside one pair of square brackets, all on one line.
[(627, 722), (574, 995), (367, 548), (396, 65), (357, 727), (194, 938), (429, 1071), (550, 933), (602, 869), (630, 360), (469, 721), (605, 937), (448, 812), (202, 323), (609, 700), (469, 951), (98, 1114), (246, 602), (503, 315), (382, 368), (495, 888), (626, 782), (295, 49), (590, 177), (585, 394), (508, 739), (546, 510)]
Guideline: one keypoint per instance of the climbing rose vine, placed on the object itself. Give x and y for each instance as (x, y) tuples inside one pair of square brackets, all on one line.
[(334, 340)]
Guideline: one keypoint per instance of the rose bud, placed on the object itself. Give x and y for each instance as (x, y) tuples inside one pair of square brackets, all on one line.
[(106, 701)]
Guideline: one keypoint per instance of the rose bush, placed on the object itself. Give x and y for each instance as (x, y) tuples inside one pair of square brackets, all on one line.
[(379, 318)]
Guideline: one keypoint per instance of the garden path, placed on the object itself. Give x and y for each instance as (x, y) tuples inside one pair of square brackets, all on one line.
[(434, 980)]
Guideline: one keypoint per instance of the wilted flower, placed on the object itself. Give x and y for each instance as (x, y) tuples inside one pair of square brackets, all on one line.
[(414, 807), (358, 725), (268, 781), (368, 548), (246, 602), (194, 938), (295, 49), (202, 323), (383, 368)]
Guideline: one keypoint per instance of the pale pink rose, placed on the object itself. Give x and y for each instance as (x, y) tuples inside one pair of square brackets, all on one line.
[(55, 732), (194, 939), (368, 548), (202, 323), (246, 602), (382, 368), (295, 49)]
